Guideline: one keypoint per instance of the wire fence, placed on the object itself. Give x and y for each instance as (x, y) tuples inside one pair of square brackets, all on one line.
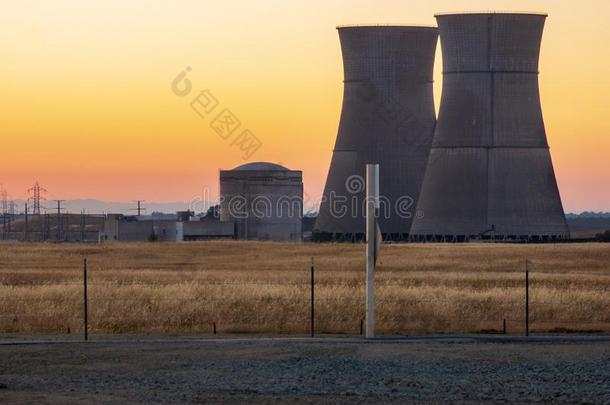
[(127, 306)]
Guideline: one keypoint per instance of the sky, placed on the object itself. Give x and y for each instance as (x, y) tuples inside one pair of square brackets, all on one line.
[(88, 110)]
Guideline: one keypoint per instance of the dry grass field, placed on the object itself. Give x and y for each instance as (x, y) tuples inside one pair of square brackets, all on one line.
[(263, 287)]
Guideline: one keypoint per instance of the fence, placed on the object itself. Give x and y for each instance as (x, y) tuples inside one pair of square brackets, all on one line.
[(305, 306), (50, 228)]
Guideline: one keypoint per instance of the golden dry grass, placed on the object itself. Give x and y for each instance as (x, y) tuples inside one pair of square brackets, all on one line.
[(264, 287)]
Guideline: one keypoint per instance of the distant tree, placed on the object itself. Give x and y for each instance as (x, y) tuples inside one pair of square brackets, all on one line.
[(603, 237), (213, 212)]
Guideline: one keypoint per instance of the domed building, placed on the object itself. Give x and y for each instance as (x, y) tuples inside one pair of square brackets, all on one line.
[(264, 200)]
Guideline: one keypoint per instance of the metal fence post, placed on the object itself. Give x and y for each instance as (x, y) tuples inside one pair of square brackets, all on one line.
[(527, 300), (85, 309), (312, 298), (504, 326)]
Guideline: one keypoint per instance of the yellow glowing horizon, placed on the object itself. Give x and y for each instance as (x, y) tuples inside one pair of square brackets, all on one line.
[(88, 110)]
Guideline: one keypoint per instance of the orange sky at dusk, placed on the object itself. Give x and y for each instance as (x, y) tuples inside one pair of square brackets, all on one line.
[(87, 106)]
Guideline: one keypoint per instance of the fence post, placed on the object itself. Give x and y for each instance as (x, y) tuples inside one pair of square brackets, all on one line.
[(85, 312), (214, 327), (527, 300), (504, 326), (312, 314)]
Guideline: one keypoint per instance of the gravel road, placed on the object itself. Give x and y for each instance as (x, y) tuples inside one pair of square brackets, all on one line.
[(331, 370)]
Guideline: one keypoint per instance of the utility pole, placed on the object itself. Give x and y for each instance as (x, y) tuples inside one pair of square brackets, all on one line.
[(82, 226), (48, 232), (11, 216), (139, 208), (25, 224), (66, 229), (59, 219), (3, 196), (41, 226)]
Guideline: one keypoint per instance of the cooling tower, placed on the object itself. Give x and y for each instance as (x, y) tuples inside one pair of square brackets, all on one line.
[(490, 175), (387, 117)]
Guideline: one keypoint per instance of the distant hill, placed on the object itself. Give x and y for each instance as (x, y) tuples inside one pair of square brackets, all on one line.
[(588, 214), (588, 224), (588, 227)]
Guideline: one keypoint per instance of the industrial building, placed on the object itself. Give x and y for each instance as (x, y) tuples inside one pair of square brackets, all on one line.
[(482, 171), (264, 200), (387, 117), (122, 228), (490, 175), (258, 201)]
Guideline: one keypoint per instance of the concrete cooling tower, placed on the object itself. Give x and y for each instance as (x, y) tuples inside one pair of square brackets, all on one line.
[(388, 118), (490, 175)]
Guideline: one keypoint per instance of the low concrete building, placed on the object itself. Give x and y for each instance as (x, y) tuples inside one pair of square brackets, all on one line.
[(264, 200), (204, 229), (120, 228)]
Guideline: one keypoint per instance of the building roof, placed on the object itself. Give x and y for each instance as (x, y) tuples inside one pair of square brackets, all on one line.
[(260, 166), (393, 26), (535, 13)]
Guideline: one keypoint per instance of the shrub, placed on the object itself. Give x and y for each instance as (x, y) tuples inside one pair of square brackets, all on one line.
[(603, 237)]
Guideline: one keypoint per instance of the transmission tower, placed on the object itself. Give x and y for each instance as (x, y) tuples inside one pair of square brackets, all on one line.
[(35, 195), (3, 198)]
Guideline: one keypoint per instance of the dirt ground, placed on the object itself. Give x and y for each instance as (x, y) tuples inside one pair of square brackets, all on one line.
[(302, 370)]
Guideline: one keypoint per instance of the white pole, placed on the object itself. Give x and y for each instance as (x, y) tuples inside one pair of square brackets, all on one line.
[(372, 200)]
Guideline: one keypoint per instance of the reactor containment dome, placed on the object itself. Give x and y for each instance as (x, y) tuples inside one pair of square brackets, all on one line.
[(264, 200)]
